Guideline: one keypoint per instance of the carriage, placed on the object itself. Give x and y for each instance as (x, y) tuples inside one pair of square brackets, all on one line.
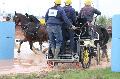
[(87, 46)]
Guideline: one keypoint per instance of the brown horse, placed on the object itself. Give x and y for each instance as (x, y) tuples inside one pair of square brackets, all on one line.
[(40, 36)]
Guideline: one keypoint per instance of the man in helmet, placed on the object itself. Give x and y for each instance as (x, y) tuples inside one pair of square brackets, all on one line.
[(87, 12), (55, 17), (68, 33)]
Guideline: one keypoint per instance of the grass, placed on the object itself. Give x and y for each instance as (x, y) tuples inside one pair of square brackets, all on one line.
[(68, 74), (84, 74)]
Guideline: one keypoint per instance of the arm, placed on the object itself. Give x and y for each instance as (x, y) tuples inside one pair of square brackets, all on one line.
[(46, 16), (74, 16), (64, 17), (97, 12), (79, 14)]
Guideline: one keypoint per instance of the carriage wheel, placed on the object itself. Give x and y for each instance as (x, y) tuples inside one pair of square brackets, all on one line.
[(50, 64), (86, 59), (98, 54)]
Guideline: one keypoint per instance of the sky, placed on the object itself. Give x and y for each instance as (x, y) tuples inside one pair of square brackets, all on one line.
[(39, 7)]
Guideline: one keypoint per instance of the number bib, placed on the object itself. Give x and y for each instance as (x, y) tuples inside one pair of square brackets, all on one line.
[(52, 12)]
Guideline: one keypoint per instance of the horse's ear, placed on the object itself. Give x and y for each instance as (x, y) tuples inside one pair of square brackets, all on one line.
[(15, 13), (26, 14)]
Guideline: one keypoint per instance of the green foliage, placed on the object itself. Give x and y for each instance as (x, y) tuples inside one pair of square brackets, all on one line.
[(68, 74), (104, 21), (109, 22), (85, 74)]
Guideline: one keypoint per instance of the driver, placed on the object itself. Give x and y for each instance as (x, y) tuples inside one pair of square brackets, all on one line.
[(87, 12)]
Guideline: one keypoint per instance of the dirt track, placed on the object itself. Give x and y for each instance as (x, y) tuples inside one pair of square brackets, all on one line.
[(37, 63)]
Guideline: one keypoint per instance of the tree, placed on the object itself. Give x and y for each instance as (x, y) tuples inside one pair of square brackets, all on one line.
[(109, 22), (102, 20), (106, 23)]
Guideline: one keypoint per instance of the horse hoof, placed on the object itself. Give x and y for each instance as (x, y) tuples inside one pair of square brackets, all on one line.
[(36, 53), (108, 60), (43, 52), (18, 51), (37, 49)]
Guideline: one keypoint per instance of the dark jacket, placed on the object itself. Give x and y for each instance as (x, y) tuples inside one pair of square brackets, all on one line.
[(71, 14), (88, 12), (56, 16)]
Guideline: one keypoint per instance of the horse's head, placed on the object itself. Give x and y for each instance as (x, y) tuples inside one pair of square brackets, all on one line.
[(20, 19)]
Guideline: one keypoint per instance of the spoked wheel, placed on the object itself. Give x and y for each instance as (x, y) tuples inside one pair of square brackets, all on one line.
[(98, 58), (86, 59)]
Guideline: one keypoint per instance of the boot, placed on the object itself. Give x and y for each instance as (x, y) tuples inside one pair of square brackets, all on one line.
[(53, 51), (57, 50)]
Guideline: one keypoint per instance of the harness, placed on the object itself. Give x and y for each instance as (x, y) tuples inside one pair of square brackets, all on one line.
[(31, 29)]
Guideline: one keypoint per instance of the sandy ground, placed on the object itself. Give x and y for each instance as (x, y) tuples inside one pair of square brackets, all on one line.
[(28, 62)]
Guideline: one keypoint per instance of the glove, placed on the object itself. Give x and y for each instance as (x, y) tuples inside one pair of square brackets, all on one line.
[(73, 27)]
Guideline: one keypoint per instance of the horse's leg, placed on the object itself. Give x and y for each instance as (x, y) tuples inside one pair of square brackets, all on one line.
[(45, 50), (106, 54), (40, 43), (32, 47), (20, 45), (103, 54)]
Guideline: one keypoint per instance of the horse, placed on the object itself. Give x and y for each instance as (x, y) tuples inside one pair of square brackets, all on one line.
[(40, 35), (103, 34)]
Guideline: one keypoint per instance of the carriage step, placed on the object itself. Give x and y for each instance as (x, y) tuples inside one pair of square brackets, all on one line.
[(61, 56), (65, 56), (63, 60)]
